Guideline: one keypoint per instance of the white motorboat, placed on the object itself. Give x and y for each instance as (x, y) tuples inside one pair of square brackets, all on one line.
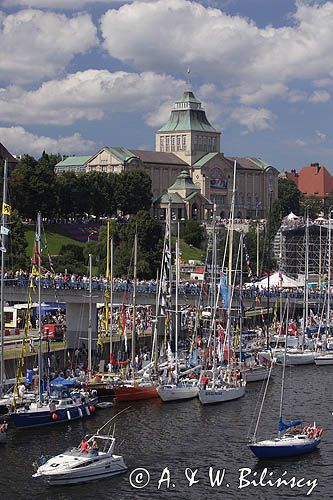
[(324, 359), (93, 459), (177, 392), (212, 395)]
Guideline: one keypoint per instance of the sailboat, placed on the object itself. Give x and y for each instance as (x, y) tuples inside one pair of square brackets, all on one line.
[(326, 357), (228, 384), (59, 406), (136, 388), (177, 390), (300, 356), (4, 231), (292, 443)]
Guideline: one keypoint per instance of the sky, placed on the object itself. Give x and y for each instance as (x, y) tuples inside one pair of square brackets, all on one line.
[(78, 75)]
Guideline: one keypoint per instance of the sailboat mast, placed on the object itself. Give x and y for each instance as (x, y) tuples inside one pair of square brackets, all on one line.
[(328, 314), (3, 253), (176, 305), (134, 300), (284, 362), (111, 294), (40, 337), (90, 318), (231, 234), (306, 279), (241, 297)]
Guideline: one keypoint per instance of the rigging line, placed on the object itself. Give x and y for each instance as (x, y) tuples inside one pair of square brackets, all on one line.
[(266, 388)]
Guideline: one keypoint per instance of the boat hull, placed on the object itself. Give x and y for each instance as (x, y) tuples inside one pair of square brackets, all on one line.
[(27, 419), (256, 375), (176, 393), (297, 358), (133, 393), (324, 360), (275, 449), (213, 396), (83, 474)]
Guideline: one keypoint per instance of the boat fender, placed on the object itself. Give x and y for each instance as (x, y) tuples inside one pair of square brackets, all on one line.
[(91, 408), (54, 416), (80, 412), (2, 427), (87, 410), (69, 416)]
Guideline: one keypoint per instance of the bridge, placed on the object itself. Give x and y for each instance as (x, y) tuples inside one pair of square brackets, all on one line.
[(76, 297)]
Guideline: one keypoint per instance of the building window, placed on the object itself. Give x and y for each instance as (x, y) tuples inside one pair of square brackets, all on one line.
[(184, 142), (173, 140), (167, 143), (200, 139), (218, 179), (162, 143), (179, 140)]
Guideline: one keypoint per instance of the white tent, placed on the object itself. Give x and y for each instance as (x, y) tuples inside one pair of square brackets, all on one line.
[(292, 216), (277, 279)]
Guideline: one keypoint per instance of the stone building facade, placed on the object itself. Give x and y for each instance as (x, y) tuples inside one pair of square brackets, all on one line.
[(189, 142)]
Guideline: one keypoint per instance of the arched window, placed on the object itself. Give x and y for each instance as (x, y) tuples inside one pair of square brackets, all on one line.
[(195, 211), (217, 179)]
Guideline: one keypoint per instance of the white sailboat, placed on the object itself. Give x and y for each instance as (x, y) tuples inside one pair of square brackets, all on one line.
[(326, 358), (300, 356), (222, 386), (178, 390)]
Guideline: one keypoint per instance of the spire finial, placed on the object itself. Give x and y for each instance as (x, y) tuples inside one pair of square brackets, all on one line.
[(188, 71)]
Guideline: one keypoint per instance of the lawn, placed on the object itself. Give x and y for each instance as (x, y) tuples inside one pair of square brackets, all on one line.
[(54, 240)]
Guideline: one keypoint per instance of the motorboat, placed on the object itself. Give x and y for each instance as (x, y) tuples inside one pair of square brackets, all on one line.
[(295, 357), (93, 459), (256, 373), (134, 390)]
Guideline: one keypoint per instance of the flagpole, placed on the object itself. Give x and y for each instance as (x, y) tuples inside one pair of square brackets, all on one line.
[(40, 345), (3, 251)]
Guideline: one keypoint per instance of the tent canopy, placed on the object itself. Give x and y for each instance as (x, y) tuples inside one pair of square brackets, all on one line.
[(63, 382), (277, 279)]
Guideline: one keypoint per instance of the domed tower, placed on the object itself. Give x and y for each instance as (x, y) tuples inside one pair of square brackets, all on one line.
[(188, 133)]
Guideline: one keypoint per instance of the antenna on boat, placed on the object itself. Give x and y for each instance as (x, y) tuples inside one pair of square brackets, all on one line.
[(112, 418)]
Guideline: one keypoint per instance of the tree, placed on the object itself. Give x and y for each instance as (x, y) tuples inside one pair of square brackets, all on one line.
[(313, 205), (16, 257), (193, 233), (133, 191), (289, 197), (71, 257)]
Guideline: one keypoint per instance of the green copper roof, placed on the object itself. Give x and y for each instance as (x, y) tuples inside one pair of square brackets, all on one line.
[(184, 181), (259, 162), (187, 115), (73, 161), (165, 198), (204, 159), (189, 97), (123, 154)]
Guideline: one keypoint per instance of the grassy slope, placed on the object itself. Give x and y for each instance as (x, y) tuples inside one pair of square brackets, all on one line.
[(54, 240)]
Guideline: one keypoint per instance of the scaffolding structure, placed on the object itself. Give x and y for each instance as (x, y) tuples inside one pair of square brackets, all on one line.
[(291, 242)]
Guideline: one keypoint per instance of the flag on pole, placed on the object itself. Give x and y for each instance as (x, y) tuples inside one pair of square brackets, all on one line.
[(6, 209)]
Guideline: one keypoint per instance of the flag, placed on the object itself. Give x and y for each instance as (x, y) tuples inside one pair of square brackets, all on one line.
[(4, 230), (224, 292), (6, 209)]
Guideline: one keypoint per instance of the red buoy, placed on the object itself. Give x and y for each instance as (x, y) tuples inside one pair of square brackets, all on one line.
[(54, 416), (91, 408)]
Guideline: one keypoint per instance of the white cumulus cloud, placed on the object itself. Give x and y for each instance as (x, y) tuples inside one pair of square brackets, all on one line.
[(19, 141), (253, 118), (259, 63), (36, 44), (56, 4), (89, 95)]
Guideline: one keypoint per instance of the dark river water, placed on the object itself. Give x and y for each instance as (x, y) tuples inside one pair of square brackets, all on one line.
[(185, 435)]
